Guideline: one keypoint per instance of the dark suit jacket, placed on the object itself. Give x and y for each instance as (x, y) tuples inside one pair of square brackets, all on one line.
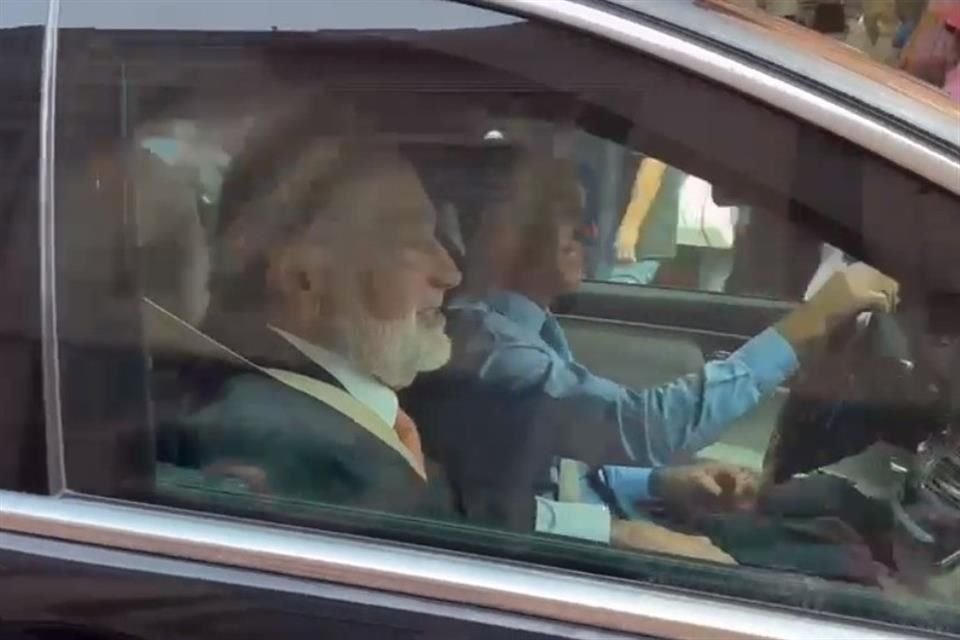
[(495, 452), (307, 450)]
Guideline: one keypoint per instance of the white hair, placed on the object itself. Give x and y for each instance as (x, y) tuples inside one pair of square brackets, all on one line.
[(393, 351)]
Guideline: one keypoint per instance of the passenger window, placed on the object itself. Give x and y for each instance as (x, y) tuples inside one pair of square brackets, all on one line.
[(312, 265)]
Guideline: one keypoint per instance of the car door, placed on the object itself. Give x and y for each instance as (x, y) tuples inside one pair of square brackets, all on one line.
[(98, 540)]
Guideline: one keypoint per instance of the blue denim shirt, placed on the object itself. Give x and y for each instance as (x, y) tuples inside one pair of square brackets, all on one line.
[(515, 344)]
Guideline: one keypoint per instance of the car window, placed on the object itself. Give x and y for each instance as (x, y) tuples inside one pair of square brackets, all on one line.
[(659, 226), (306, 267), (21, 50)]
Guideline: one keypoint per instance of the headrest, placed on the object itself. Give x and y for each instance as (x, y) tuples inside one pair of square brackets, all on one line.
[(165, 333), (170, 237)]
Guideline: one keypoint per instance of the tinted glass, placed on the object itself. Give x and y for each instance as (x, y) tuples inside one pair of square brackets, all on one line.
[(22, 464), (326, 268), (662, 227)]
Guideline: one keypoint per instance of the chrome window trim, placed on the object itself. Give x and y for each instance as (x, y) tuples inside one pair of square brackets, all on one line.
[(745, 37), (50, 348), (579, 599), (757, 83)]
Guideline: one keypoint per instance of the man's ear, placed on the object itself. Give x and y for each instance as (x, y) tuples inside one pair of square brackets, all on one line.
[(295, 270)]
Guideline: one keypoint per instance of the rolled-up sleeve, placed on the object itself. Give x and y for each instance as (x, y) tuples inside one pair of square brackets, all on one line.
[(630, 488), (629, 484), (601, 422), (770, 359)]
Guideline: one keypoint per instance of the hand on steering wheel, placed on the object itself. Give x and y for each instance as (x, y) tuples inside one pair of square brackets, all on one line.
[(858, 287), (847, 293), (865, 388)]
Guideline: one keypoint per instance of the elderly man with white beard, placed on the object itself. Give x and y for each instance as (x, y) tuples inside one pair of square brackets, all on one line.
[(328, 280)]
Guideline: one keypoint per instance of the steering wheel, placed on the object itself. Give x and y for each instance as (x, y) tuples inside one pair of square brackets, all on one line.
[(866, 387)]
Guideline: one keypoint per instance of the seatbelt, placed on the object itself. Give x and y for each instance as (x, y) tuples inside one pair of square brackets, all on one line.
[(163, 328), (597, 481)]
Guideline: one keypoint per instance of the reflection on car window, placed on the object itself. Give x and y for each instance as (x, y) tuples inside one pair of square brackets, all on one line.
[(283, 15), (23, 13), (673, 227), (650, 223), (337, 279)]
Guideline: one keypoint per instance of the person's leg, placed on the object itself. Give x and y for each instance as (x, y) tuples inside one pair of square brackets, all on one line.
[(714, 269)]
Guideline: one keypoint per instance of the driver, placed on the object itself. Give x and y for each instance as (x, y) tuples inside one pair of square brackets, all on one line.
[(510, 356)]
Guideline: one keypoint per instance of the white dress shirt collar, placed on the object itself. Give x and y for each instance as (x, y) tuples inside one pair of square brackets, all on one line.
[(366, 389)]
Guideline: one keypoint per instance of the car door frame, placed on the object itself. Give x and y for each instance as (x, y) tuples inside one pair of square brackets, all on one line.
[(591, 602)]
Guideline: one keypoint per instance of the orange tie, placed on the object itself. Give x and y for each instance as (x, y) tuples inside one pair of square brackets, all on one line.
[(406, 430)]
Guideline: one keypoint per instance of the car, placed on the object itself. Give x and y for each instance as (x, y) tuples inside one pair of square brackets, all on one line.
[(117, 121)]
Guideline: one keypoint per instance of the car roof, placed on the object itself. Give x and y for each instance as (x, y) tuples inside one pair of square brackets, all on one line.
[(815, 59)]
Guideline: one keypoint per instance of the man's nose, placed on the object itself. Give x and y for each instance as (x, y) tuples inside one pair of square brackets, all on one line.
[(445, 273)]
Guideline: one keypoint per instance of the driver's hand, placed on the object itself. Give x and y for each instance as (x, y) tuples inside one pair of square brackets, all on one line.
[(707, 486), (849, 291), (855, 288), (646, 536)]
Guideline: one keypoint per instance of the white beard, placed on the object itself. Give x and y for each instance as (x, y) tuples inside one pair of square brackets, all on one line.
[(395, 351)]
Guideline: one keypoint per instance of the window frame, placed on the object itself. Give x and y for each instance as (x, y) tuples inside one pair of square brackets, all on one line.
[(593, 601)]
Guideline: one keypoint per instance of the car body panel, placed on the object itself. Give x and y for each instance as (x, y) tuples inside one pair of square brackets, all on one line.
[(549, 594), (72, 591)]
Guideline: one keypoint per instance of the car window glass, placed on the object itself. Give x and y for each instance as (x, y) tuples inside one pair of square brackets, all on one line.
[(21, 47), (23, 13), (381, 277), (287, 15), (655, 225)]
